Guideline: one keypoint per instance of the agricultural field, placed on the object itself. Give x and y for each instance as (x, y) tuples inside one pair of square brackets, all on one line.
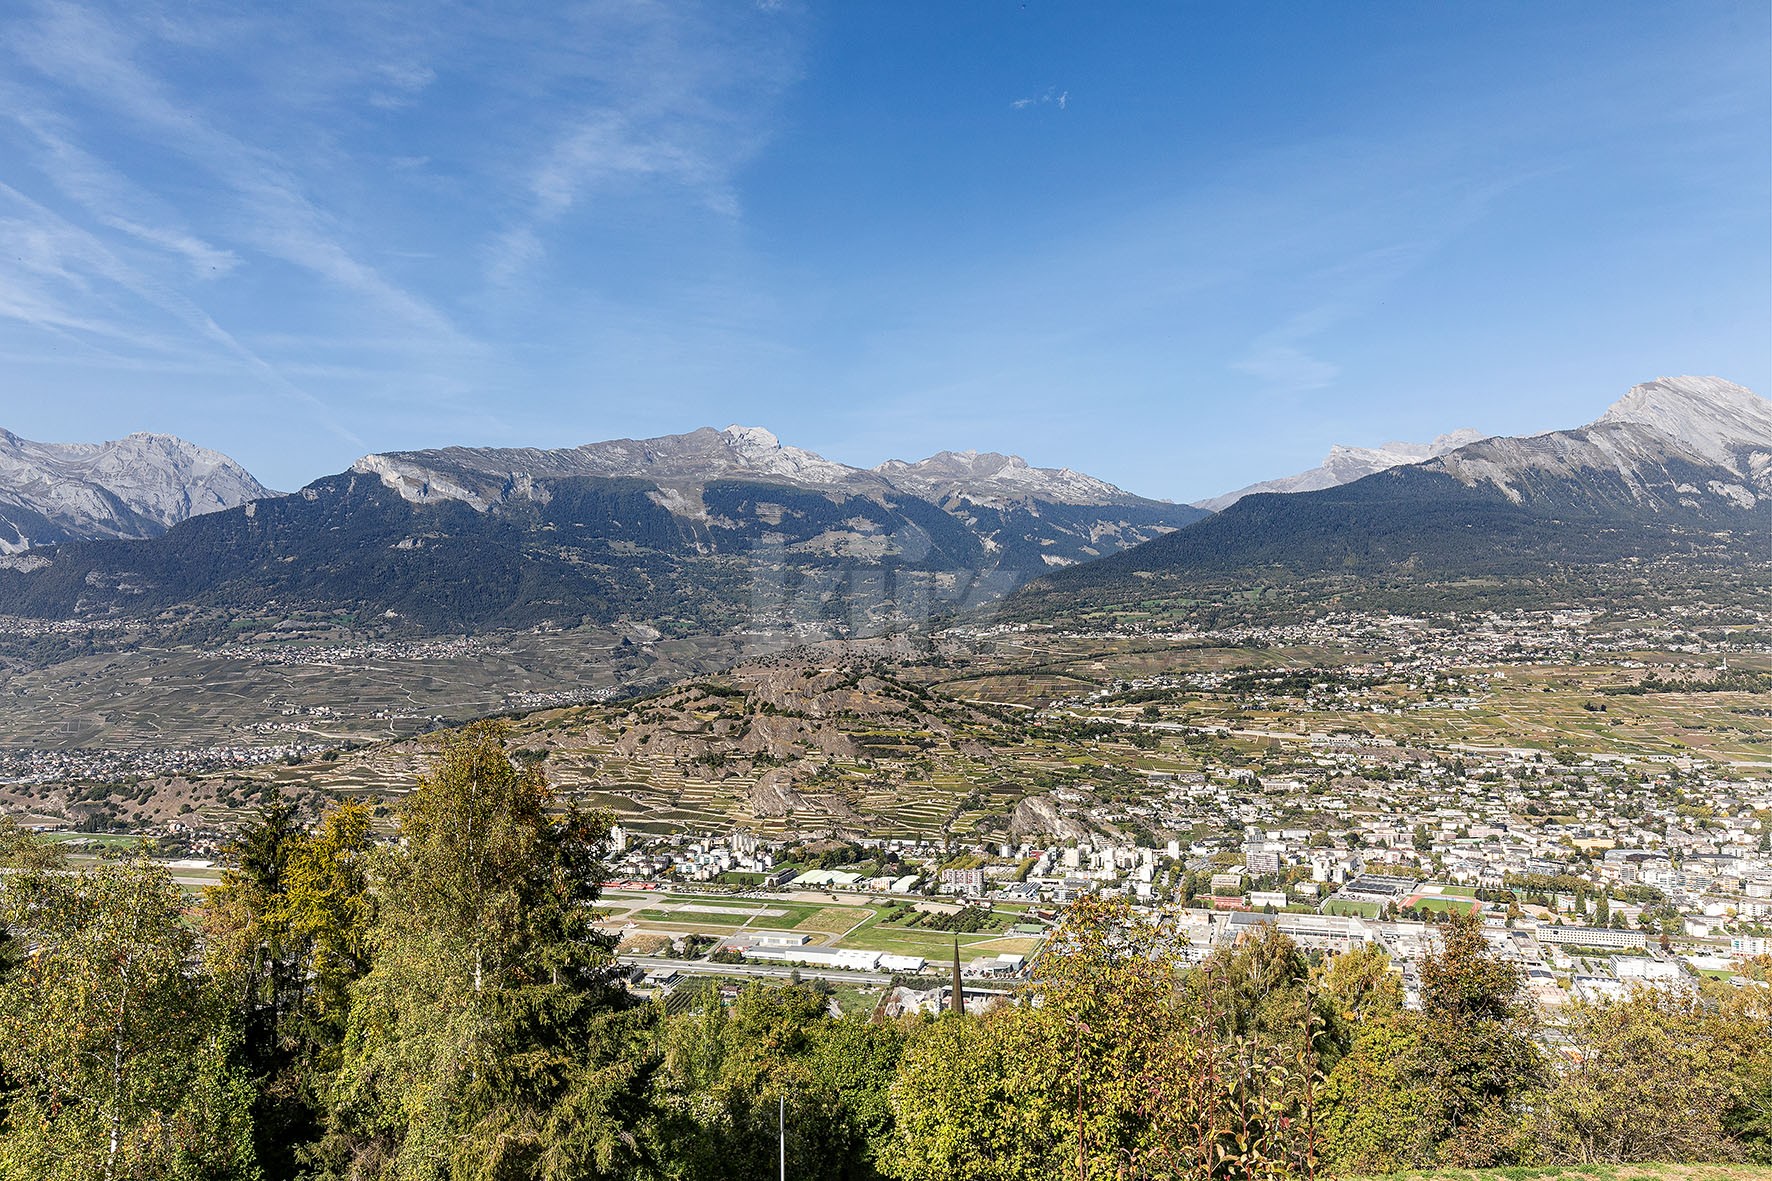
[(983, 738), (282, 682), (861, 925)]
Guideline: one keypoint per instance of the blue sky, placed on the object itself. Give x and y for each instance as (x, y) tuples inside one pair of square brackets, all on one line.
[(1180, 246)]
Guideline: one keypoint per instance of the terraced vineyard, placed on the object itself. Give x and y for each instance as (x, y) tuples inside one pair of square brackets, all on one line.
[(1043, 732), (783, 747), (276, 685)]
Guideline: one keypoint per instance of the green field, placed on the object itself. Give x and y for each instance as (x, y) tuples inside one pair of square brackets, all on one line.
[(104, 840), (1445, 905), (853, 925), (1346, 906), (692, 918)]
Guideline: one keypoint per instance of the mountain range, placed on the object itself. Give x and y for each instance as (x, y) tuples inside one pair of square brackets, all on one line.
[(684, 531), (135, 487), (1678, 468), (721, 530), (1344, 465)]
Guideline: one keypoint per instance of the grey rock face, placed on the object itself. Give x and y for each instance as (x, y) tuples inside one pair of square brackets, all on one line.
[(1344, 465), (137, 486)]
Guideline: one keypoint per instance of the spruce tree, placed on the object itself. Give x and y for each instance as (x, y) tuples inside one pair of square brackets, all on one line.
[(490, 1038)]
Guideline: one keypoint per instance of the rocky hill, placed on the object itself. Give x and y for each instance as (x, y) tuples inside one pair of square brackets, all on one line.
[(1679, 469), (834, 739), (135, 487), (708, 531)]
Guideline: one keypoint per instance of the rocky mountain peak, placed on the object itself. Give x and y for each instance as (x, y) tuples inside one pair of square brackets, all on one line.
[(1719, 420), (1673, 444), (137, 486), (1345, 464), (752, 438), (990, 476)]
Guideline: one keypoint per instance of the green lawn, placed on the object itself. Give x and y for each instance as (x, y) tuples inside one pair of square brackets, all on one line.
[(840, 924), (1346, 906), (724, 916), (106, 840), (692, 918), (931, 945), (857, 999), (1442, 905)]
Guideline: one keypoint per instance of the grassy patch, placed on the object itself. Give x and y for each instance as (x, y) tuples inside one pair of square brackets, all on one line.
[(693, 918), (832, 920), (1443, 905), (1347, 906), (854, 999), (103, 840)]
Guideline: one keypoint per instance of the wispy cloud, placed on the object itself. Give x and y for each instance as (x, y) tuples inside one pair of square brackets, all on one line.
[(84, 51), (355, 203), (1287, 367), (678, 110), (1053, 96), (401, 84), (56, 252), (114, 201)]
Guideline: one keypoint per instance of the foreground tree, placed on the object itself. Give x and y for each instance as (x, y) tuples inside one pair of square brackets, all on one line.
[(1125, 1063), (118, 1062), (1361, 984), (285, 935), (1652, 1080), (725, 1073), (1475, 1060), (489, 1039), (1448, 1085), (1666, 1076), (1371, 1115), (982, 1099)]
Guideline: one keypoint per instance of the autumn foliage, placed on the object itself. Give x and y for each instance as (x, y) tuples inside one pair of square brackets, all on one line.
[(434, 1004)]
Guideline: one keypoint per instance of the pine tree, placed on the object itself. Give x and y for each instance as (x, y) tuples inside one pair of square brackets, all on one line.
[(285, 934), (490, 1037)]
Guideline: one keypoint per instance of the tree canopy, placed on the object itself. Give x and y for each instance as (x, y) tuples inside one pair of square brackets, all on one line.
[(435, 1002)]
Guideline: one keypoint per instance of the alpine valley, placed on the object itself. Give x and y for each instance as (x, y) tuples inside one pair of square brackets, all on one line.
[(424, 588), (668, 533), (587, 570)]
